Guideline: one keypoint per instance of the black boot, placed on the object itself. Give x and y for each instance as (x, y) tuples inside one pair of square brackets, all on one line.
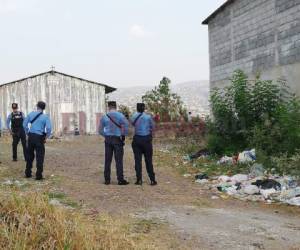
[(139, 182), (153, 183), (107, 182), (123, 183)]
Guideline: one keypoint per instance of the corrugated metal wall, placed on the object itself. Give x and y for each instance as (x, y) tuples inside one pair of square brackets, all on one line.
[(63, 95)]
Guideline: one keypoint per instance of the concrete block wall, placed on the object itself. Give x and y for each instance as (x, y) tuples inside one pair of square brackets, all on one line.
[(257, 36)]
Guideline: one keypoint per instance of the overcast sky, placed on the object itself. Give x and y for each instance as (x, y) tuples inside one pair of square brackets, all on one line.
[(117, 42)]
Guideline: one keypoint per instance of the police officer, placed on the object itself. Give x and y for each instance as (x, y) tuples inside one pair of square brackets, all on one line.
[(39, 131), (0, 130), (142, 143), (114, 127), (14, 123)]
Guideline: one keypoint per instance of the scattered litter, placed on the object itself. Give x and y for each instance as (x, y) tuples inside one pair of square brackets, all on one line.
[(187, 175), (214, 197), (268, 184), (289, 194), (294, 201), (266, 193), (247, 156), (55, 202), (13, 183), (257, 170), (165, 151), (201, 176), (251, 190), (200, 154), (201, 181), (8, 182), (224, 178), (223, 187), (226, 160), (232, 190), (239, 178)]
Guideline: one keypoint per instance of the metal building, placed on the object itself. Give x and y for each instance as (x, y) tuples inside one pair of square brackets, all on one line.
[(72, 102)]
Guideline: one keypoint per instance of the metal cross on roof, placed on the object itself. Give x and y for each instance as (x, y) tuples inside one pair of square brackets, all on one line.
[(52, 68)]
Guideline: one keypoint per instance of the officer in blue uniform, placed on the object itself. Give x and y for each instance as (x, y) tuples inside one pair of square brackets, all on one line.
[(38, 131), (14, 123), (114, 128), (142, 143), (0, 130)]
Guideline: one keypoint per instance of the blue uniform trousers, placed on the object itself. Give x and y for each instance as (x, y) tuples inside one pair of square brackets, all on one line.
[(142, 145)]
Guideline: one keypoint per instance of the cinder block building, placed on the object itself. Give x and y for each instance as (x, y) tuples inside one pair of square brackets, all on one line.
[(257, 36), (72, 102)]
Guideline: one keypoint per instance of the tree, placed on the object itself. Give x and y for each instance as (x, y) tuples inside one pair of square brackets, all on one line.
[(162, 101), (124, 110)]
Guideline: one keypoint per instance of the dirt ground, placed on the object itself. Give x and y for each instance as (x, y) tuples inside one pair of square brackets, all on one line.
[(193, 219)]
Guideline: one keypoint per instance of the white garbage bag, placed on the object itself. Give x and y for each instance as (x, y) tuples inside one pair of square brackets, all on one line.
[(251, 190), (247, 156), (224, 178), (266, 193), (294, 201), (225, 160), (238, 178)]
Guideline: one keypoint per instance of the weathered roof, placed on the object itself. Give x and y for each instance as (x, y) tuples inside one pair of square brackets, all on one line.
[(217, 11), (108, 89)]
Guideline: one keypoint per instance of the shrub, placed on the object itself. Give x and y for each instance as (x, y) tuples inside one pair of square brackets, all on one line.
[(254, 114), (287, 165)]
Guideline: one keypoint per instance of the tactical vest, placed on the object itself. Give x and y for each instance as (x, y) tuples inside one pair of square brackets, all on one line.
[(16, 121)]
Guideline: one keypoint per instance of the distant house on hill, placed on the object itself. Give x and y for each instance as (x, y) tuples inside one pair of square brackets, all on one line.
[(72, 102), (255, 36)]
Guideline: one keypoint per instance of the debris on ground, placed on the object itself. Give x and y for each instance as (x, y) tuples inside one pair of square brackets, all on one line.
[(202, 181), (270, 189), (247, 156), (55, 202), (13, 183), (268, 184), (226, 160), (200, 154), (201, 176), (257, 170), (257, 185)]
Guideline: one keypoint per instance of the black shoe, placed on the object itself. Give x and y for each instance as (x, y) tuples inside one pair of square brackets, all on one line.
[(139, 182), (40, 178), (107, 182), (123, 183), (28, 176), (153, 183), (15, 160)]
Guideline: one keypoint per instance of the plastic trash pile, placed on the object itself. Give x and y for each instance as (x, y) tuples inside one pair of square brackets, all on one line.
[(246, 156), (256, 188)]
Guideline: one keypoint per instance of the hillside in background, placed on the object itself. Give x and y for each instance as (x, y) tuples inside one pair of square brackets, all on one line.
[(194, 94)]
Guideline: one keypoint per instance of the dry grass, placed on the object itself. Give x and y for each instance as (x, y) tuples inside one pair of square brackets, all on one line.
[(27, 221)]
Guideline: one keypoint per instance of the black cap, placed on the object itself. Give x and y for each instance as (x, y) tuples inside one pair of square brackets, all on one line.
[(112, 104), (41, 105), (14, 106), (140, 107)]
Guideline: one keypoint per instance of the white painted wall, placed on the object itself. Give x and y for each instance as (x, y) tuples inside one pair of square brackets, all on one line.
[(62, 94)]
